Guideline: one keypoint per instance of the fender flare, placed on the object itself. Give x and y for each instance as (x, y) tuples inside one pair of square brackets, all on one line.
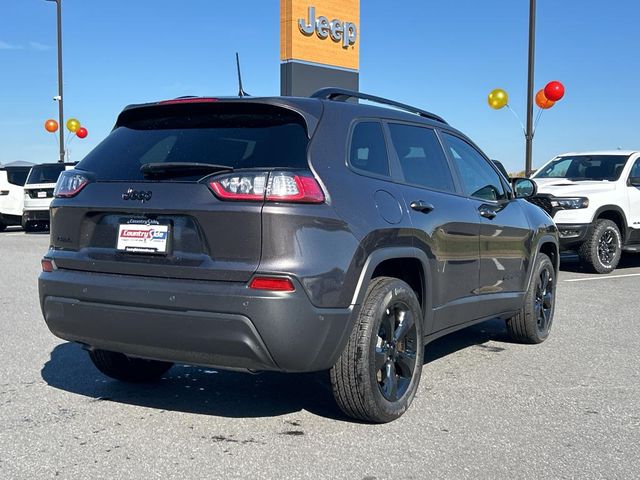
[(617, 209), (547, 238), (390, 253)]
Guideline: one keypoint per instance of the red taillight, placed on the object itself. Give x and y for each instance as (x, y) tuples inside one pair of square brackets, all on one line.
[(69, 184), (288, 187), (47, 265), (269, 186), (249, 186), (188, 100), (275, 284)]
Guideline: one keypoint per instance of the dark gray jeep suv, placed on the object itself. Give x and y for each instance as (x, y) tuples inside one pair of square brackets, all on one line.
[(291, 234)]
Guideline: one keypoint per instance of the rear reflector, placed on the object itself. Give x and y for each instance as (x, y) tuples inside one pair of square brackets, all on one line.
[(48, 265), (274, 284)]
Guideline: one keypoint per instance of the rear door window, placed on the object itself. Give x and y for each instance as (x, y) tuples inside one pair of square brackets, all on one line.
[(421, 157), (368, 151), (236, 135)]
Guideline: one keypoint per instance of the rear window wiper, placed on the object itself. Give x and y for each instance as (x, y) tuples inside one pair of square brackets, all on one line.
[(180, 169)]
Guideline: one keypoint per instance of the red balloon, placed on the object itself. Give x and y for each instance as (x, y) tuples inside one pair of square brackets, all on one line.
[(542, 101), (82, 132), (554, 91)]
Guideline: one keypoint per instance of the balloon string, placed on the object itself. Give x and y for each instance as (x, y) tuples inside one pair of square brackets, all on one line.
[(517, 118), (535, 124)]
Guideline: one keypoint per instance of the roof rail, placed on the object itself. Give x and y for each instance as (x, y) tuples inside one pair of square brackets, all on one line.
[(342, 95)]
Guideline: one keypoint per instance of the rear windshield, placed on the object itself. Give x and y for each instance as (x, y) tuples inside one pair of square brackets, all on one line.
[(585, 167), (236, 135), (17, 176), (45, 173)]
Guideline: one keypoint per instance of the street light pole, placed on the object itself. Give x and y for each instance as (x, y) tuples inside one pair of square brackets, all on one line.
[(60, 97), (532, 47)]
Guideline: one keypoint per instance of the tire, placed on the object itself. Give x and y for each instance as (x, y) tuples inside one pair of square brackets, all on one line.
[(378, 373), (30, 227), (602, 250), (532, 323), (128, 369)]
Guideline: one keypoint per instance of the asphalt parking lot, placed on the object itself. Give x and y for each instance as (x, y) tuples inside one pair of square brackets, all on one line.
[(486, 408)]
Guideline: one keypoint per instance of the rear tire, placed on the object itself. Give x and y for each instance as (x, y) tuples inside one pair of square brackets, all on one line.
[(533, 322), (128, 369), (378, 373), (30, 227), (602, 250)]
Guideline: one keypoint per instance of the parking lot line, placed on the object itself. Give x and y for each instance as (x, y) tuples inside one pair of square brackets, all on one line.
[(602, 277)]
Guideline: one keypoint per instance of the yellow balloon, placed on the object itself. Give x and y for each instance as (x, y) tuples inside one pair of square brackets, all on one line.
[(73, 125), (498, 98)]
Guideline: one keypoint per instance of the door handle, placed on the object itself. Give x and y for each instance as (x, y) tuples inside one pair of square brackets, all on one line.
[(421, 206), (487, 212)]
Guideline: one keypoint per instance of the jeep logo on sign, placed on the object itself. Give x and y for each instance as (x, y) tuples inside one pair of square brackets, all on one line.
[(339, 31)]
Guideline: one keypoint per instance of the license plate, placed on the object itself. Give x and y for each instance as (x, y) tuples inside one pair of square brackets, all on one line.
[(42, 194), (143, 238)]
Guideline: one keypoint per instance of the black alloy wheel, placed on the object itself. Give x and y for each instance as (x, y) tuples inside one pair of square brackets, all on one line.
[(543, 303), (607, 247), (396, 351)]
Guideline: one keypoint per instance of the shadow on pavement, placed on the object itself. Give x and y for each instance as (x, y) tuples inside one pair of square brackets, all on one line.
[(208, 391), (571, 263)]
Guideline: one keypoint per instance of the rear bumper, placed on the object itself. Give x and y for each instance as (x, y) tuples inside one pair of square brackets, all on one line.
[(217, 324), (6, 219), (572, 235), (30, 216)]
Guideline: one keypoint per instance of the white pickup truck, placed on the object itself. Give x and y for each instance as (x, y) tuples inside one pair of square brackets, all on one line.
[(594, 198)]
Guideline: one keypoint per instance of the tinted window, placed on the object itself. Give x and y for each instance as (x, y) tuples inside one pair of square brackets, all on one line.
[(17, 176), (238, 135), (635, 170), (479, 179), (421, 157), (368, 150), (585, 167), (47, 173)]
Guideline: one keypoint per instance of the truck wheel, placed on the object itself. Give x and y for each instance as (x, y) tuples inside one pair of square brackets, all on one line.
[(377, 375), (601, 251), (128, 369), (533, 322)]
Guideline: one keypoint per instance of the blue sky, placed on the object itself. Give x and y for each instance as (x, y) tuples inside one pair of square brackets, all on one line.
[(444, 56)]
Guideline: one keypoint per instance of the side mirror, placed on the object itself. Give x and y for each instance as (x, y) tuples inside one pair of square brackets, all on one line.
[(524, 187), (634, 181)]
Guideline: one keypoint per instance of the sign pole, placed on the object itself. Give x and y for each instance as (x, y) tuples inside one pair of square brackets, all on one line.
[(532, 46)]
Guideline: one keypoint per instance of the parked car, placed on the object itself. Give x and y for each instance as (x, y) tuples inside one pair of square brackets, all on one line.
[(12, 179), (38, 193), (594, 198), (291, 234)]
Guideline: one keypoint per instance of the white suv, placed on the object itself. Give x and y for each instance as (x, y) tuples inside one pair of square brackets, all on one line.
[(594, 198), (12, 178), (38, 194)]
